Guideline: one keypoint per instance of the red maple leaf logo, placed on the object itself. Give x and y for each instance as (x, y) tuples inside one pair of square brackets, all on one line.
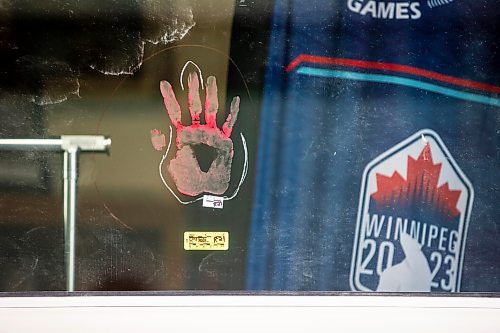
[(420, 186)]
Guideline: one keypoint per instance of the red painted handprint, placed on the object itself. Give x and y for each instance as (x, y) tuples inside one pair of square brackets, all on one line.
[(184, 168)]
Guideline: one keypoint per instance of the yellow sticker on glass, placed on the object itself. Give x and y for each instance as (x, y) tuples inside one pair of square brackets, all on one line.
[(206, 240)]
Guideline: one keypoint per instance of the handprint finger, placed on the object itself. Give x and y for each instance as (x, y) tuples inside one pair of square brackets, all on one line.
[(158, 140), (211, 102), (227, 128), (171, 104), (194, 102)]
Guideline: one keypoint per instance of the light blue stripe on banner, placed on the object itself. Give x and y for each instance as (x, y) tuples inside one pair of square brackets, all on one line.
[(400, 81)]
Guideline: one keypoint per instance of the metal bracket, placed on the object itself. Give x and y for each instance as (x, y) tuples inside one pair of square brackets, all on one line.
[(71, 146)]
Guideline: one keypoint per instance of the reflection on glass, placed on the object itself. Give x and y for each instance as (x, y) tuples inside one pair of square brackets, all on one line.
[(255, 145)]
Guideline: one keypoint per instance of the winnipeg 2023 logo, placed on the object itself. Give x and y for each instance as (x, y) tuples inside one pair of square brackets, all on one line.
[(413, 214)]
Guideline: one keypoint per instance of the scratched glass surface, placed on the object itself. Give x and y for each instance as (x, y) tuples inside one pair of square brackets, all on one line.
[(347, 145)]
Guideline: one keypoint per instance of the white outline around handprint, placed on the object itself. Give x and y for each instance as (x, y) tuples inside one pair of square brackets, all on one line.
[(184, 168)]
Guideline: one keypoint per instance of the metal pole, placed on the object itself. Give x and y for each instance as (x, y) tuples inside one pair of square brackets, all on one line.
[(71, 145), (70, 179), (31, 144)]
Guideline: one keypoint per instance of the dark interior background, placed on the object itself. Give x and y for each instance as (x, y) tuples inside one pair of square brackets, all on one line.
[(93, 67)]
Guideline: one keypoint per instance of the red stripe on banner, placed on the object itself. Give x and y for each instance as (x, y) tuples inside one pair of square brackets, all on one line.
[(391, 67)]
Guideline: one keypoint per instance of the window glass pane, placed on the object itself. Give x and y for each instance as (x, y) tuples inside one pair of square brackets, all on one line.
[(346, 145)]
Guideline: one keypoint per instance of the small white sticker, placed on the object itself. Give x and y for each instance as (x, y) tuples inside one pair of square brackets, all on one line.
[(213, 201)]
